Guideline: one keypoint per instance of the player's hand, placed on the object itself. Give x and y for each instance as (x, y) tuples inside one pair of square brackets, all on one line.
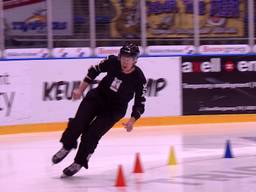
[(76, 94), (129, 124)]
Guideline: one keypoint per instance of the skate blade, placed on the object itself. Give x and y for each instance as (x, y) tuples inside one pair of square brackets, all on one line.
[(64, 176)]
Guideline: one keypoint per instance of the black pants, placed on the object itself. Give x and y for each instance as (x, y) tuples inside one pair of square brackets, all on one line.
[(94, 117)]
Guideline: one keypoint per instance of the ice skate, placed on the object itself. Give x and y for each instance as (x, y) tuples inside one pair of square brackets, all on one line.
[(60, 155), (71, 170)]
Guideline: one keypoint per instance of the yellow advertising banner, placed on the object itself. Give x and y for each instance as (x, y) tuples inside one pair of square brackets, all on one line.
[(174, 18)]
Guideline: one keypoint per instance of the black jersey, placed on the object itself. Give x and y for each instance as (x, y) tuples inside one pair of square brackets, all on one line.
[(118, 87)]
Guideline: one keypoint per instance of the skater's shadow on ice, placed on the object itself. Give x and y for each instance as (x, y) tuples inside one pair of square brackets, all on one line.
[(91, 181)]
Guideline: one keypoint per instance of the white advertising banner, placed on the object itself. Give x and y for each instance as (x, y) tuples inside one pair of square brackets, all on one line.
[(40, 91), (170, 50), (163, 85), (15, 92), (26, 53), (71, 52), (31, 18), (224, 49), (105, 51)]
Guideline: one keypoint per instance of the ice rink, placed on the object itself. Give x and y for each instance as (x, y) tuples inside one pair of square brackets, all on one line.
[(25, 161)]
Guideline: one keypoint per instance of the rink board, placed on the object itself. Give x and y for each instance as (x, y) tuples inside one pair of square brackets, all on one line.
[(35, 94)]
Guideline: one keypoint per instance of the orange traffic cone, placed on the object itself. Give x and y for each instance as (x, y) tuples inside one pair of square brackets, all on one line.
[(120, 181), (137, 166)]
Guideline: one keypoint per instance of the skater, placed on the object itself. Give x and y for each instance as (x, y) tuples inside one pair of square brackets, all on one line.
[(103, 106)]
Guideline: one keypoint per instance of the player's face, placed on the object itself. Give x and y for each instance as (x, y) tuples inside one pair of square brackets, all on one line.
[(127, 63)]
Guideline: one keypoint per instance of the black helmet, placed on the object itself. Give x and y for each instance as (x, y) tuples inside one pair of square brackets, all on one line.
[(130, 49)]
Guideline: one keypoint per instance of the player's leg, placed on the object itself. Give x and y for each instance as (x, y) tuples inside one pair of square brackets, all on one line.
[(85, 114), (101, 125)]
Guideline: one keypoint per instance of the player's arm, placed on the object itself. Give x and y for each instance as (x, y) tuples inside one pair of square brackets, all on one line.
[(139, 105), (92, 73), (139, 101), (95, 70)]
